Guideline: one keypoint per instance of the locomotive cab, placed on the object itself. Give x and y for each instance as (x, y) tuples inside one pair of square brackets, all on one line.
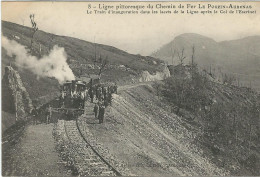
[(73, 94), (66, 89)]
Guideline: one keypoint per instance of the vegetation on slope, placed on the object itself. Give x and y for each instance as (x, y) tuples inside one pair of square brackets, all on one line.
[(228, 117)]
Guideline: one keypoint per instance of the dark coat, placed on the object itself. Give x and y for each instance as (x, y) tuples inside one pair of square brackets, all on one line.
[(101, 113)]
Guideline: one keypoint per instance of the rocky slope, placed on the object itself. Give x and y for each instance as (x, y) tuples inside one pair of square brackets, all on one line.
[(146, 76), (15, 96), (140, 131), (17, 103)]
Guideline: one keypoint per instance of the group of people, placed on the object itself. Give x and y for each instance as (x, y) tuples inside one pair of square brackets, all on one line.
[(99, 111), (102, 94), (76, 93), (37, 114), (73, 95), (103, 98)]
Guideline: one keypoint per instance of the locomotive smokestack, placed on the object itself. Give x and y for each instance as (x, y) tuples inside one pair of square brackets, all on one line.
[(52, 65)]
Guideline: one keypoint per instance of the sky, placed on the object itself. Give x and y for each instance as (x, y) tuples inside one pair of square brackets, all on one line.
[(136, 34)]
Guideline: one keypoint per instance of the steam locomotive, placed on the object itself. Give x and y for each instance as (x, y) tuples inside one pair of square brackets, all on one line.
[(73, 94)]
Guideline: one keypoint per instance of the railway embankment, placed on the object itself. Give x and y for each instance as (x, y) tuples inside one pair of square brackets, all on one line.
[(89, 118), (139, 131), (78, 154)]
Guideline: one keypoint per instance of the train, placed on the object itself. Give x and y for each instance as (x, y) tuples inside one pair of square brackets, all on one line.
[(73, 94)]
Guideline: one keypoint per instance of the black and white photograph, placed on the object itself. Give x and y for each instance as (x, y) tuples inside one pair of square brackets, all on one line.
[(130, 88)]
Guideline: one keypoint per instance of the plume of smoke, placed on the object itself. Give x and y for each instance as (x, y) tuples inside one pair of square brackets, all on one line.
[(53, 65)]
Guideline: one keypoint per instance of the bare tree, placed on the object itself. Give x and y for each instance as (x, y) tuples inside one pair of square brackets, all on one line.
[(95, 45), (228, 79), (34, 29), (181, 56), (40, 49), (80, 71), (192, 56), (50, 42), (192, 60), (172, 53), (103, 63)]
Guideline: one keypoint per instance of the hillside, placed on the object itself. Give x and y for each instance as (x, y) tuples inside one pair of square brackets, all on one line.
[(227, 117), (239, 58), (143, 131), (122, 68), (79, 51), (150, 141)]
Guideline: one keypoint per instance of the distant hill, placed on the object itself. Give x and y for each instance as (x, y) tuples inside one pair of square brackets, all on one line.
[(81, 55), (239, 58)]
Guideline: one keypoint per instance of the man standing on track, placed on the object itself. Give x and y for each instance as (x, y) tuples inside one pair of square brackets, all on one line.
[(109, 99), (91, 94), (49, 114), (101, 114), (115, 87), (96, 109), (34, 114)]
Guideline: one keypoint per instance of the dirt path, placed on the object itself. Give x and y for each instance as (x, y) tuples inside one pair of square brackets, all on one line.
[(126, 87), (34, 155)]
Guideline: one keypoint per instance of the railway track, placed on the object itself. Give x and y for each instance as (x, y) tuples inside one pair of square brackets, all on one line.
[(86, 159)]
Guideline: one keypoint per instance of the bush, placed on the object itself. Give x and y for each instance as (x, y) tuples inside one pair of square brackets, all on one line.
[(187, 93)]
